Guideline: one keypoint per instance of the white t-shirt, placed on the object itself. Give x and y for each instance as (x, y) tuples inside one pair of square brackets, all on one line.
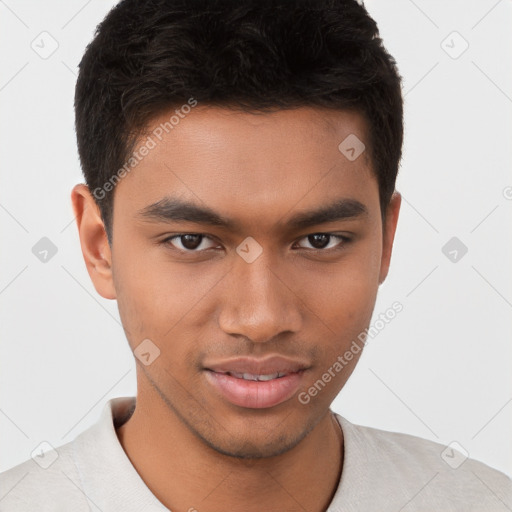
[(382, 471)]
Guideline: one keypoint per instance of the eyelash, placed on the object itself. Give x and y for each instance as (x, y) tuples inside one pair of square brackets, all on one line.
[(344, 241)]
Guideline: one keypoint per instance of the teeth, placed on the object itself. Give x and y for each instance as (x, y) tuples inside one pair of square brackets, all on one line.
[(250, 376), (268, 377)]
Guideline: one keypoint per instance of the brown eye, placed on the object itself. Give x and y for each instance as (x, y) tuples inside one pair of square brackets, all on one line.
[(189, 242), (319, 240), (324, 241)]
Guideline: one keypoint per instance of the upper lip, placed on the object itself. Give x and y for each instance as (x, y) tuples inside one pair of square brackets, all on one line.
[(266, 366)]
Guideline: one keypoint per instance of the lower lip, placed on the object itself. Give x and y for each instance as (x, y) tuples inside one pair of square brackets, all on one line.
[(255, 394)]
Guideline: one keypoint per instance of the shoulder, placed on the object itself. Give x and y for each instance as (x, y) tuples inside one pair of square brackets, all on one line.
[(407, 464), (47, 482), (406, 449)]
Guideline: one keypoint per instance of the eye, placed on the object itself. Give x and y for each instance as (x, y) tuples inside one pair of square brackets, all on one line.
[(322, 241), (188, 242), (197, 242)]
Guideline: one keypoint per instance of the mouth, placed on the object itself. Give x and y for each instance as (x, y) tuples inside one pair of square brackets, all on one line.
[(260, 377), (256, 384)]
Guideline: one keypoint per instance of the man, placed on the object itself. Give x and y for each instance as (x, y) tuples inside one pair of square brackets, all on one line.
[(240, 206)]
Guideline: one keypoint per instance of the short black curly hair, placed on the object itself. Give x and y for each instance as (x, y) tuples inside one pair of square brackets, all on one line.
[(148, 56)]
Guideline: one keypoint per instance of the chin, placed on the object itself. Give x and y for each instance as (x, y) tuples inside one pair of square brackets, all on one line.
[(249, 450), (265, 445)]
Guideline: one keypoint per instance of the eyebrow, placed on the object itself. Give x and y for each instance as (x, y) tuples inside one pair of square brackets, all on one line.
[(171, 209)]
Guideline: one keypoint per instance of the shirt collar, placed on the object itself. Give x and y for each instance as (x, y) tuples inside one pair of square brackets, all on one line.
[(108, 478)]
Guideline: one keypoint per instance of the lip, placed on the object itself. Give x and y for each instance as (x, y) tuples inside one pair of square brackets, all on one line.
[(266, 366), (256, 394)]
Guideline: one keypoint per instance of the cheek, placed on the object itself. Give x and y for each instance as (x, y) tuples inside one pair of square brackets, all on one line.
[(343, 304), (143, 294), (156, 297), (343, 294)]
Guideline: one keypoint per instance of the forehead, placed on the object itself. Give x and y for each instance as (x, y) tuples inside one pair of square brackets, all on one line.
[(251, 162)]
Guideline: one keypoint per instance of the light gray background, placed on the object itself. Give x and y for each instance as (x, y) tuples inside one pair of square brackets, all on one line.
[(440, 370)]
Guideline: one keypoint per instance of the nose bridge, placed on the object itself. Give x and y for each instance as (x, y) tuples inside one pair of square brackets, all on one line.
[(258, 304)]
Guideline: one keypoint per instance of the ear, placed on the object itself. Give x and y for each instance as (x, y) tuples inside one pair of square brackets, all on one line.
[(93, 241), (388, 234)]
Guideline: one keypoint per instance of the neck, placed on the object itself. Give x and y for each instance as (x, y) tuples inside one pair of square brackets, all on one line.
[(185, 474)]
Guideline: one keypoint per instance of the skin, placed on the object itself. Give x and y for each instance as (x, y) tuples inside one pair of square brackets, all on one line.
[(191, 447)]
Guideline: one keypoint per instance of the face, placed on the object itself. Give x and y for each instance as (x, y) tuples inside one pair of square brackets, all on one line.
[(248, 246)]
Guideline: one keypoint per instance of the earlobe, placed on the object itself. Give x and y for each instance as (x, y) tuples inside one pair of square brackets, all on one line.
[(93, 241), (388, 234)]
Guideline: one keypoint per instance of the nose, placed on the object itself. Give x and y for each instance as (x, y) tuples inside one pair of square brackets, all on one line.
[(259, 302)]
